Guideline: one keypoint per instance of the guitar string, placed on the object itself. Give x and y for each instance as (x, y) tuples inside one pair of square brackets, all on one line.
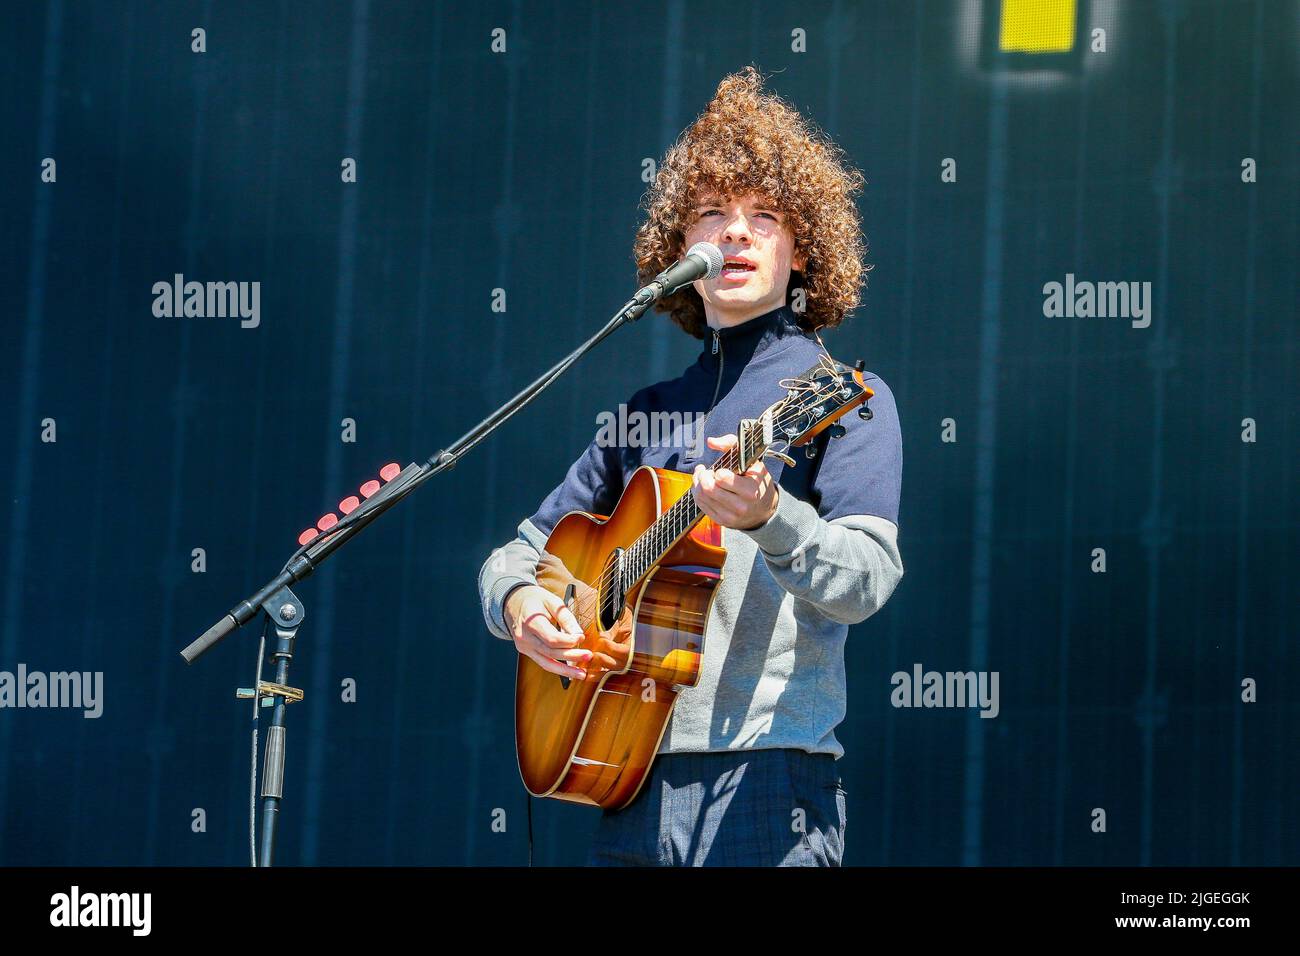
[(671, 520), (664, 532), (666, 528)]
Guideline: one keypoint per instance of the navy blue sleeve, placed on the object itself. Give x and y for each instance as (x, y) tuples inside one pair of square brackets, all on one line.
[(862, 473), (839, 551), (593, 483)]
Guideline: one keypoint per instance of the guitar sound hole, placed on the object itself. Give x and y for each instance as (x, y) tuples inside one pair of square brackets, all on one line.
[(611, 591)]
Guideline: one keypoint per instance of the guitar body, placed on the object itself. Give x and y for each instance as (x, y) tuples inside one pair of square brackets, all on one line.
[(592, 741), (641, 583)]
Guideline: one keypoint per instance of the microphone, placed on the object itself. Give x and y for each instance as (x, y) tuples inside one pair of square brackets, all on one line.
[(702, 261)]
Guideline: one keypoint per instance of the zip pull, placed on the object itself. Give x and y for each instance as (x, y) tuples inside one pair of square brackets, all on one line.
[(715, 341)]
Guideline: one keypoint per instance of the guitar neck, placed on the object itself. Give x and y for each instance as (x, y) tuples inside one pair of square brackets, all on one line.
[(684, 514), (813, 402)]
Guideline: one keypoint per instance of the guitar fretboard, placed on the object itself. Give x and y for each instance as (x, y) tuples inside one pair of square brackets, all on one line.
[(819, 393), (683, 514)]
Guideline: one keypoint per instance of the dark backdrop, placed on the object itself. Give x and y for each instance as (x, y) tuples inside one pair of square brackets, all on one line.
[(522, 171)]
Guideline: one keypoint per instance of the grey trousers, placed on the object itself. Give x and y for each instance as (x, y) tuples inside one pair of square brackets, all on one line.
[(734, 808)]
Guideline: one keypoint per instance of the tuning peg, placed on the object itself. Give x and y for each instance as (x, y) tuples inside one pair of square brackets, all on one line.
[(349, 504), (864, 413), (859, 366), (307, 535), (837, 430), (810, 450), (327, 521), (369, 488), (390, 471)]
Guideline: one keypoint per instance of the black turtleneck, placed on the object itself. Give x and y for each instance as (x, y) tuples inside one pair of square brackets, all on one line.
[(736, 345)]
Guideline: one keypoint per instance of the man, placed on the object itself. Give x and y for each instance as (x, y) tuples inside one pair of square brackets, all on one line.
[(746, 769)]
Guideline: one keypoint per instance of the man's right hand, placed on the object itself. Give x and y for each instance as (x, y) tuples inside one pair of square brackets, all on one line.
[(544, 629)]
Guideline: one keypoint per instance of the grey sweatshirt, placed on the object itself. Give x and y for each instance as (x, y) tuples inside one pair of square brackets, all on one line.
[(773, 673)]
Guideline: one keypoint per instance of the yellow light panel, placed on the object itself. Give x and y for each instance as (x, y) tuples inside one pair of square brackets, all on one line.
[(1037, 26)]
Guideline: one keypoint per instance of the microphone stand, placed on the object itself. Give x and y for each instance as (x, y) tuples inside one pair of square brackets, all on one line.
[(285, 612)]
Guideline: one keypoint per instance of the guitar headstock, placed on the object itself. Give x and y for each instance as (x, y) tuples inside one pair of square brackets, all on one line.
[(815, 399)]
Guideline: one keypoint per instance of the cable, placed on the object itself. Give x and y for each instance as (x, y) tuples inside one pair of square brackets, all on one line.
[(528, 797), (252, 770)]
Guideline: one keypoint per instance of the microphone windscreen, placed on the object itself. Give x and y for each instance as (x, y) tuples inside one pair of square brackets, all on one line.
[(710, 254)]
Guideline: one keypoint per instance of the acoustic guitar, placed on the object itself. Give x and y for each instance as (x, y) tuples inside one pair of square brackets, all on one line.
[(641, 582)]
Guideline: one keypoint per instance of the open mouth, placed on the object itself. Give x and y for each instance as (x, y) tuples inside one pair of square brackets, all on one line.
[(734, 266)]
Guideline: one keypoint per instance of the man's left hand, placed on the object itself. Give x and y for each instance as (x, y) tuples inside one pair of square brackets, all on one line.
[(741, 501)]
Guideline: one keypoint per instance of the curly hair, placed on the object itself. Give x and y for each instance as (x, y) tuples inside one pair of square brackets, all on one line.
[(750, 141)]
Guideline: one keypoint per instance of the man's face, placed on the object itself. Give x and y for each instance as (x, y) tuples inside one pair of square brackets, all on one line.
[(759, 249)]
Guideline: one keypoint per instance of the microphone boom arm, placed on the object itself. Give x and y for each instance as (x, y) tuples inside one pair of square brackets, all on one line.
[(304, 562)]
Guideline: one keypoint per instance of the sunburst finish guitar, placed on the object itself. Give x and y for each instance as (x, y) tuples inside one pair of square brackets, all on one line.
[(640, 583)]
